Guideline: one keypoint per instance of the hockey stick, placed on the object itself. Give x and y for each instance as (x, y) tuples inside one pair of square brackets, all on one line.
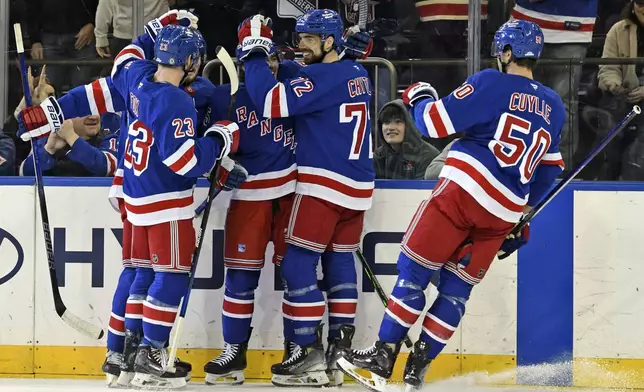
[(378, 287), (71, 319), (363, 14), (213, 191), (565, 181)]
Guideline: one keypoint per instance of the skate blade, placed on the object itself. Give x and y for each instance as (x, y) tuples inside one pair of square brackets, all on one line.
[(336, 377), (124, 379), (231, 378), (150, 381), (373, 383), (112, 380), (316, 379)]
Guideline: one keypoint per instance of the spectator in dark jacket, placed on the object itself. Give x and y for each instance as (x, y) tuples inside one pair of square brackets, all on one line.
[(80, 148), (63, 30), (7, 155), (402, 153)]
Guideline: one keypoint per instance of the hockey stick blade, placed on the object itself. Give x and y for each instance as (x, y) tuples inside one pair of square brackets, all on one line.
[(82, 326), (228, 63)]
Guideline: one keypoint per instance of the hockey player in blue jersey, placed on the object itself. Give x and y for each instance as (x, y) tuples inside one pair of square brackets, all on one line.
[(505, 163), (162, 160), (329, 102)]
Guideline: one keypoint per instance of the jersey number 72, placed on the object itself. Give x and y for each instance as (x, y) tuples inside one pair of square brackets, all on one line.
[(511, 150)]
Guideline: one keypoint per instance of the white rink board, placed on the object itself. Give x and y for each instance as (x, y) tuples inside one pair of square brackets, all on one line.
[(490, 328), (609, 274), (17, 294)]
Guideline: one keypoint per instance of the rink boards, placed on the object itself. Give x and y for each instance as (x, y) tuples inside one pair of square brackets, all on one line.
[(570, 298)]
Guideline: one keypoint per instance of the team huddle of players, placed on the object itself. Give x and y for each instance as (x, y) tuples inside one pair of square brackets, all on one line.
[(310, 204)]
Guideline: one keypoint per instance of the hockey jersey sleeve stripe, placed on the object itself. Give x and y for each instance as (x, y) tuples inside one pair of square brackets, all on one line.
[(184, 159), (99, 97), (275, 104), (554, 159), (111, 163), (130, 52), (437, 120)]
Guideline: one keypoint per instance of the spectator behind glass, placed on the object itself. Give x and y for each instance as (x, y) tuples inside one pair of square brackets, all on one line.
[(41, 88), (63, 30), (402, 153), (118, 13), (80, 148), (7, 155), (625, 82)]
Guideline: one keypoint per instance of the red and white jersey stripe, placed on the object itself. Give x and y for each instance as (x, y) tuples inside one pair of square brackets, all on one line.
[(553, 26), (267, 186), (159, 208), (437, 120), (111, 163), (306, 311), (343, 307), (437, 329), (238, 308), (275, 104), (158, 314), (134, 309), (433, 10), (402, 313), (553, 159), (117, 325), (99, 97), (129, 52), (184, 159), (116, 190), (487, 190), (335, 188)]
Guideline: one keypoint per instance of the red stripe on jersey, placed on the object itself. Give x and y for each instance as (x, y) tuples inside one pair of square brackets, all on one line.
[(348, 308), (166, 316), (405, 315), (240, 309), (437, 120), (437, 329), (269, 182), (99, 98), (183, 159), (160, 205), (133, 308), (111, 164), (118, 180), (276, 108), (335, 185), (303, 311), (428, 10), (552, 25), (128, 51), (484, 183), (558, 162), (117, 325)]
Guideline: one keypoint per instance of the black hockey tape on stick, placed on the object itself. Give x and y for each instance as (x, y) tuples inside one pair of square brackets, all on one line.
[(378, 287), (213, 191), (82, 326)]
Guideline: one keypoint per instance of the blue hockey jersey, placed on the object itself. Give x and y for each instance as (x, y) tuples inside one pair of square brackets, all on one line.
[(330, 106), (509, 155), (266, 147), (562, 21)]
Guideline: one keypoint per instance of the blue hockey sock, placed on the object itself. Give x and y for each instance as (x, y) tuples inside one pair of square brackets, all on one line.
[(303, 303), (446, 312), (342, 289), (407, 300), (239, 303), (161, 306), (138, 291), (116, 329)]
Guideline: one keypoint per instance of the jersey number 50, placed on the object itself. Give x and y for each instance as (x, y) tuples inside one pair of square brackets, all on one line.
[(137, 148), (359, 112), (511, 150)]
